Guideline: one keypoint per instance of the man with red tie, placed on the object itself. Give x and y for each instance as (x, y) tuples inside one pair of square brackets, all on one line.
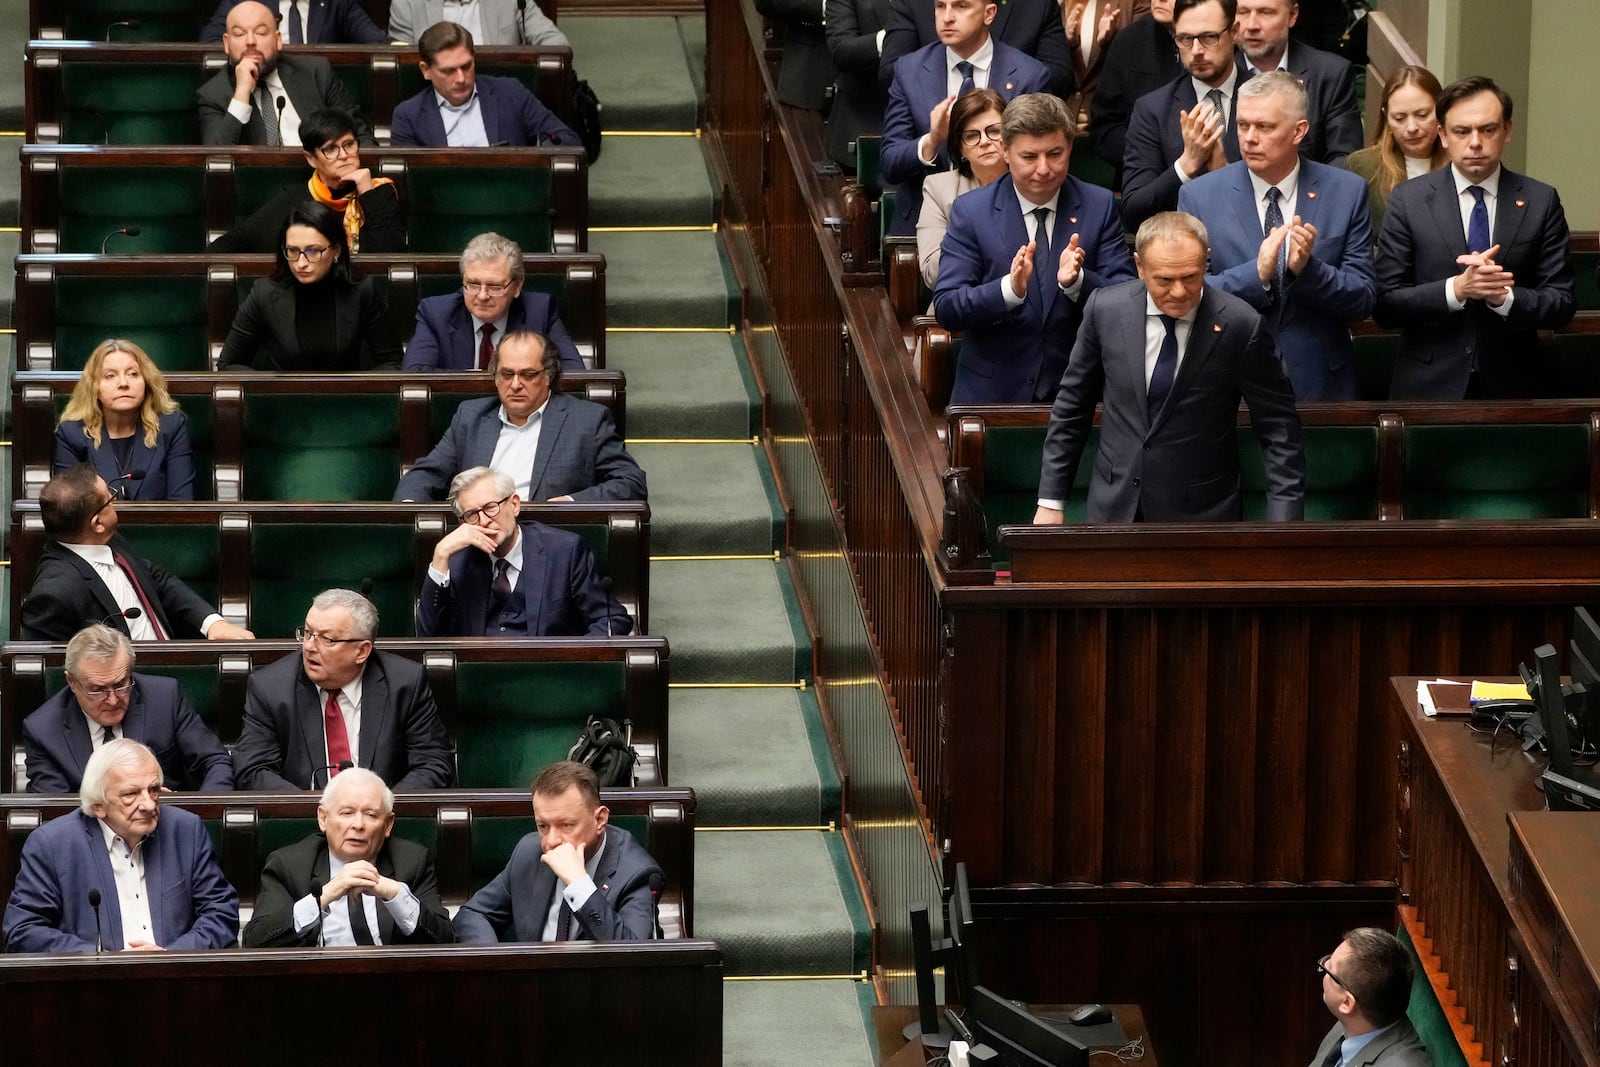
[(87, 573), (340, 704)]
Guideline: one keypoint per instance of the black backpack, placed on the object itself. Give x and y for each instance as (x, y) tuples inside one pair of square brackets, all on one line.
[(606, 748), (586, 117)]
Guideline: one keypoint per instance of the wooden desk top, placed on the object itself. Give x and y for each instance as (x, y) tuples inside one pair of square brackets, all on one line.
[(1555, 872), (889, 1020)]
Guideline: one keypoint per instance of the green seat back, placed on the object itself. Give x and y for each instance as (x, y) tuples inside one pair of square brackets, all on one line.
[(1497, 472), (197, 683), (273, 834), (442, 407), (1427, 1015), (255, 185), (868, 171), (166, 203), (164, 316), (1087, 166), (1588, 287), (198, 410), (1374, 358), (190, 551), (1012, 460), (518, 718), (357, 81), (130, 104), (309, 447), (159, 20), (1341, 473), (493, 839), (448, 206), (1577, 364), (293, 562)]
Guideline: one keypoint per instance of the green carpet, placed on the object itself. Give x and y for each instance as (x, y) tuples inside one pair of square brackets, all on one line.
[(812, 1022), (709, 499), (728, 621), (757, 757), (651, 181), (685, 384), (665, 279), (639, 70)]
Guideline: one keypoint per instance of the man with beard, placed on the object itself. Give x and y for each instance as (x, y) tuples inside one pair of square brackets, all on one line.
[(260, 97)]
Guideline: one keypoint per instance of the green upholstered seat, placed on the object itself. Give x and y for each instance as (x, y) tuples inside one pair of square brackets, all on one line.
[(342, 447), (1497, 472), (130, 104), (448, 206), (164, 316), (1583, 266), (1012, 459), (517, 717), (159, 20), (191, 552), (166, 203), (1088, 167), (255, 185), (1427, 1016), (198, 683), (495, 836), (293, 562), (868, 171), (1578, 363), (1341, 473), (1374, 358)]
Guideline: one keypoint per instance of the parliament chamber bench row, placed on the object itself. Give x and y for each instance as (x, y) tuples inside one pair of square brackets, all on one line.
[(90, 92), (510, 705), (76, 198), (471, 834), (261, 563), (333, 437), (179, 308), (153, 20)]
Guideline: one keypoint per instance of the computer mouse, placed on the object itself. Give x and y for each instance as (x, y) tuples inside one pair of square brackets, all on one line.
[(1089, 1015)]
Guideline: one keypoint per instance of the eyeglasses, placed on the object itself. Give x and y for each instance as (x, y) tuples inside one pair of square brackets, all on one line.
[(313, 254), (528, 376), (1322, 968), (1186, 40), (486, 288), (323, 641), (347, 147), (488, 511), (100, 692), (988, 133)]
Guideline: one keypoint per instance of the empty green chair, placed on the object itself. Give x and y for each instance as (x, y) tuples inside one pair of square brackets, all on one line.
[(1497, 472), (293, 562), (166, 203), (449, 206), (516, 718), (130, 104), (339, 447), (1341, 473), (166, 316)]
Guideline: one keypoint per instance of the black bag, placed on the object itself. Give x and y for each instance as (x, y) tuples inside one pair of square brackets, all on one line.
[(606, 748), (586, 117)]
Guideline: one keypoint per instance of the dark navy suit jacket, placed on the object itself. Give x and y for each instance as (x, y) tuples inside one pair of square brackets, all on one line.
[(1153, 144), (1311, 317), (328, 22), (168, 465), (511, 115), (1010, 355), (558, 594), (191, 903), (56, 740), (68, 595), (446, 336), (1032, 27), (921, 80)]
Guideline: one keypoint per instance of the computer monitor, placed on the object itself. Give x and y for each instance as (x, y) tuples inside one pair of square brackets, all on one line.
[(1552, 706), (1024, 1039), (961, 965), (1585, 649), (926, 955), (1564, 794)]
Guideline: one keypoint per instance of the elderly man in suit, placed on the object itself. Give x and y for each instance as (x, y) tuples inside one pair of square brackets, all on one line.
[(310, 22), (103, 877), (350, 883), (927, 82), (1472, 263), (1262, 34), (104, 700), (1366, 984), (577, 878), (1021, 256), (89, 573), (495, 576), (462, 109), (463, 330), (340, 704), (1170, 358), (260, 97), (1290, 237), (489, 21), (555, 446)]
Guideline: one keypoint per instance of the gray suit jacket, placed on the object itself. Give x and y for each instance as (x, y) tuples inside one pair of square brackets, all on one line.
[(308, 80), (1400, 1047), (408, 18)]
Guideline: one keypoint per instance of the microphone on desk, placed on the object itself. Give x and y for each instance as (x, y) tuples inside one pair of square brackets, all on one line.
[(316, 895), (366, 588), (605, 587), (129, 24), (656, 882), (342, 765), (120, 484), (126, 231), (282, 102), (126, 613), (94, 902)]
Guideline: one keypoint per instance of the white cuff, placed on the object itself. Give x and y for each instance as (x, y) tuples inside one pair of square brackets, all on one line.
[(440, 578), (577, 894), (207, 623), (241, 112), (1183, 179), (880, 41), (307, 911), (1012, 299), (1450, 300), (1053, 505), (1504, 309), (404, 909)]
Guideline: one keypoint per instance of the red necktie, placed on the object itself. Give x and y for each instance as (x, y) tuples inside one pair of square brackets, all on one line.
[(138, 591), (338, 739), (486, 346)]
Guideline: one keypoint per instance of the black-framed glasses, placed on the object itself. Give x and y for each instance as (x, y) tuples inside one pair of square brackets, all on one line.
[(1322, 968), (488, 511), (528, 375), (347, 147), (313, 253), (487, 288), (988, 133), (303, 635), (1186, 41), (100, 692)]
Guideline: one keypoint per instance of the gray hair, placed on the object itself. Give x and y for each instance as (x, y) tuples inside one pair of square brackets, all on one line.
[(487, 246), (1036, 115), (1169, 226), (122, 753), (356, 776), (363, 616), (97, 642), (1279, 83), (504, 484)]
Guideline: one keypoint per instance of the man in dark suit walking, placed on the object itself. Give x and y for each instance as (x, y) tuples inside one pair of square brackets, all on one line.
[(1170, 358), (555, 446), (1472, 262), (104, 700), (369, 888), (310, 22), (260, 97)]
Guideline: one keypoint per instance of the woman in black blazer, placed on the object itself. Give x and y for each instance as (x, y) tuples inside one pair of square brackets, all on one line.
[(121, 420), (313, 313)]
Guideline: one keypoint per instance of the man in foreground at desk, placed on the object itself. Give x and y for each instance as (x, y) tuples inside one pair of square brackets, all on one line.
[(576, 879), (88, 573), (493, 576), (341, 704), (554, 446), (103, 876), (1171, 358), (1366, 984), (104, 700), (351, 883)]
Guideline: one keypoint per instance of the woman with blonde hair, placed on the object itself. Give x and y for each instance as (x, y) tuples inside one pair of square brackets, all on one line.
[(121, 420), (1406, 143)]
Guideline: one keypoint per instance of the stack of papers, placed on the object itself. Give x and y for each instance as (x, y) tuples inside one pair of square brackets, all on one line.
[(1445, 696)]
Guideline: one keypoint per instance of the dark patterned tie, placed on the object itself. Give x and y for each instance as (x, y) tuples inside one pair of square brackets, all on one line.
[(564, 923), (268, 111), (1478, 222), (1274, 219), (499, 590), (296, 31), (1043, 267), (486, 346), (1166, 369), (1214, 98), (964, 69), (110, 734)]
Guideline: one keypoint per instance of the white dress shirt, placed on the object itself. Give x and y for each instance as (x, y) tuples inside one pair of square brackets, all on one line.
[(981, 61), (1031, 222), (463, 126), (288, 121), (575, 895), (97, 732), (1200, 90), (517, 447), (404, 909), (1466, 202), (468, 13), (305, 19), (105, 566), (133, 901)]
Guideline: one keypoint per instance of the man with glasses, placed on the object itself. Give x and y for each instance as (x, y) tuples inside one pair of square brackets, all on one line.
[(1366, 984), (88, 573), (374, 219), (104, 700), (341, 704), (497, 576), (262, 95), (463, 330), (554, 446)]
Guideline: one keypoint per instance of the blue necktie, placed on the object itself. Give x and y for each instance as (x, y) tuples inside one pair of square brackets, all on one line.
[(1166, 369), (964, 69), (1274, 219), (1478, 222)]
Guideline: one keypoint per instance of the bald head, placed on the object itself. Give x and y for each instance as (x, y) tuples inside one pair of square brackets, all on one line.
[(252, 30)]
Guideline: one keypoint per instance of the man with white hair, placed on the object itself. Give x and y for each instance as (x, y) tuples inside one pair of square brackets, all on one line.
[(102, 877), (351, 883)]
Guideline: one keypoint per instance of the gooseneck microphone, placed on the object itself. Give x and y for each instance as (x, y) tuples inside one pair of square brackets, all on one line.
[(123, 482), (316, 895), (94, 902), (342, 765), (126, 613), (282, 102), (605, 587), (128, 24), (656, 882), (126, 231)]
